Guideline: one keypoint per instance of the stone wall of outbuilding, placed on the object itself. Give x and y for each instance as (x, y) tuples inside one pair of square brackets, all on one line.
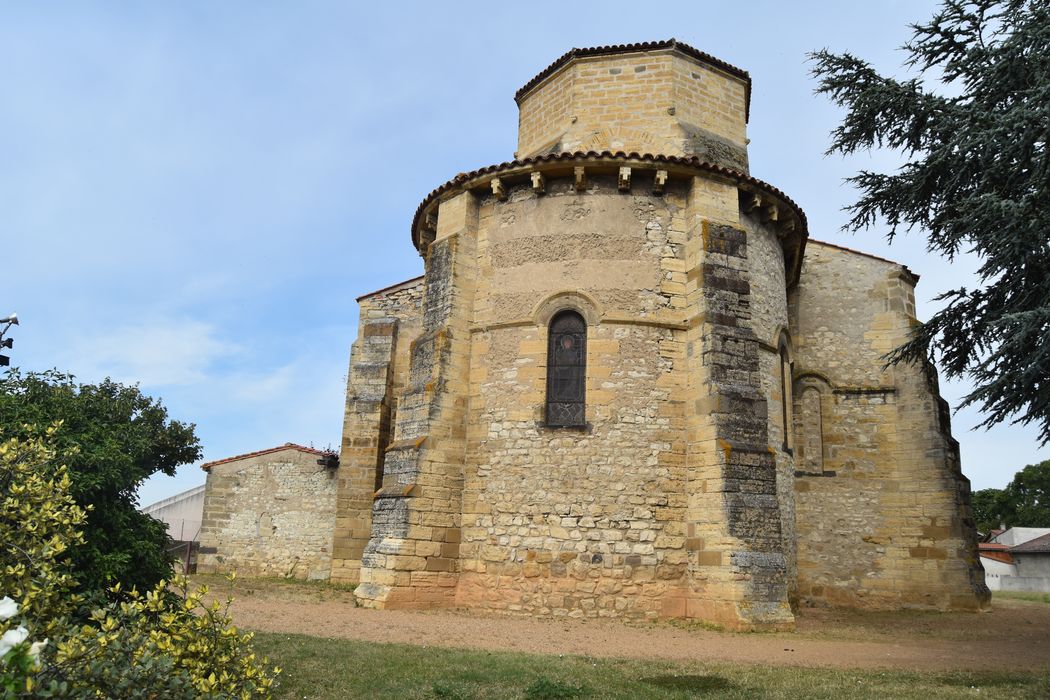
[(270, 514)]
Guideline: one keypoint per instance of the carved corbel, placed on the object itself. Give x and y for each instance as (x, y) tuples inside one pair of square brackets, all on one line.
[(770, 213), (581, 178), (539, 183), (659, 181), (428, 229), (498, 190), (753, 202), (624, 181)]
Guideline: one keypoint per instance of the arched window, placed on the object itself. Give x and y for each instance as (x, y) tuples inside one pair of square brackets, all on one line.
[(812, 438), (786, 398), (566, 370)]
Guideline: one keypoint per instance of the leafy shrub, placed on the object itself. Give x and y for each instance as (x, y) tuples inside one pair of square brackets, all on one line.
[(40, 522), (157, 645), (111, 437), (165, 643)]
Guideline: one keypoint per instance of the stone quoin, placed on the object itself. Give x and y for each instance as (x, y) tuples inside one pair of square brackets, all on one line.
[(629, 384)]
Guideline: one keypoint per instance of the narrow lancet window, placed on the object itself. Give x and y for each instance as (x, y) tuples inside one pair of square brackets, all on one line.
[(786, 398), (812, 432), (566, 370)]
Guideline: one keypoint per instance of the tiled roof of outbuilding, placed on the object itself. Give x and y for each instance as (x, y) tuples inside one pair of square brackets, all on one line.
[(1036, 546), (636, 48), (248, 455)]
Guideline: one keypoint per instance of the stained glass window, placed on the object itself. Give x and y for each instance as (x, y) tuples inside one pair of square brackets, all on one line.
[(566, 370)]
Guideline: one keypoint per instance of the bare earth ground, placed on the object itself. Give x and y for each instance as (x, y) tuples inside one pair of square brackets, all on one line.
[(1013, 635)]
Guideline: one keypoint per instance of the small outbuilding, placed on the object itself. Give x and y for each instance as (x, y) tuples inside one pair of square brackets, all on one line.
[(1017, 559), (269, 513), (1032, 559)]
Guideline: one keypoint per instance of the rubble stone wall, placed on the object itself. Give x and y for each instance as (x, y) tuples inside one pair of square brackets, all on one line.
[(270, 515), (564, 521), (769, 321)]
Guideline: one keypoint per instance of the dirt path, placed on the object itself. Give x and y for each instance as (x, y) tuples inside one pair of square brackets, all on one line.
[(1014, 635)]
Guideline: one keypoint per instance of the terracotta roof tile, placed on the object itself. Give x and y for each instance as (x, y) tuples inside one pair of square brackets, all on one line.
[(991, 547), (286, 446), (687, 161), (637, 48)]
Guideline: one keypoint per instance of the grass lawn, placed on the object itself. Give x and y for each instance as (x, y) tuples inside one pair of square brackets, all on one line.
[(331, 668), (1020, 595)]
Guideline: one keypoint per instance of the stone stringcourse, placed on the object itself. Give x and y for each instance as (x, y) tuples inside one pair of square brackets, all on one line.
[(744, 450)]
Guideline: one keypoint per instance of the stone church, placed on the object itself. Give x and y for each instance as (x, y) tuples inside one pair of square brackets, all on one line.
[(628, 384)]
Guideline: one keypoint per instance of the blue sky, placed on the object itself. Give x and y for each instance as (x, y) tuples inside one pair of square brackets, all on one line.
[(193, 194)]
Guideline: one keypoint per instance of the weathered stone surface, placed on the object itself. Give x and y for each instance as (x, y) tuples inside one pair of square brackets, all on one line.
[(883, 513), (269, 515), (743, 450)]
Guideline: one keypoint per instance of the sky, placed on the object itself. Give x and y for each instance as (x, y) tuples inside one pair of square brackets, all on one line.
[(193, 194)]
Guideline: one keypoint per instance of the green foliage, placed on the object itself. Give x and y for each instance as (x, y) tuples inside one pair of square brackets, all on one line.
[(156, 646), (1025, 502), (988, 509), (1028, 496), (977, 179), (40, 523), (164, 644), (112, 437)]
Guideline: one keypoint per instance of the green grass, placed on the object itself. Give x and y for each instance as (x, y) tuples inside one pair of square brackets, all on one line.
[(1019, 595), (331, 668)]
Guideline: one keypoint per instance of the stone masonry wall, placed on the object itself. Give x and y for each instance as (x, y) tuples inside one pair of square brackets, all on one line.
[(270, 515), (654, 102), (390, 320), (412, 556), (882, 513), (769, 321), (737, 567), (713, 479), (576, 522)]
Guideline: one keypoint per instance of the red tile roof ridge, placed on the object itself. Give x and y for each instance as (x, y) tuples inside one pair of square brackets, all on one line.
[(992, 546), (638, 47), (867, 255), (687, 161), (247, 455)]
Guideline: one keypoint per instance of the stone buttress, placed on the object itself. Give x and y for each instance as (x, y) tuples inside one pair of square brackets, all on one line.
[(411, 557)]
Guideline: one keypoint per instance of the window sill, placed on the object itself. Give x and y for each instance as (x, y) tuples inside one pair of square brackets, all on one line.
[(585, 428)]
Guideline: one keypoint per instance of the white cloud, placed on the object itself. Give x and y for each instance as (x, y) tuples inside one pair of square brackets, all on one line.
[(156, 353)]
